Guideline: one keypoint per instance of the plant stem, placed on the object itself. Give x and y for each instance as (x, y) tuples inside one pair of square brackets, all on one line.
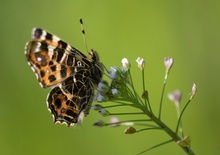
[(155, 146), (128, 113), (143, 82), (161, 99), (146, 101), (180, 117), (170, 132)]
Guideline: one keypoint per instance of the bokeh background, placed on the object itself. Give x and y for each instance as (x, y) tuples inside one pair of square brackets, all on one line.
[(188, 31)]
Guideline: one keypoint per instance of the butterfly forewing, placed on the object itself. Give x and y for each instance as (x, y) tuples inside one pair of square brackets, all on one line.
[(41, 35), (51, 65)]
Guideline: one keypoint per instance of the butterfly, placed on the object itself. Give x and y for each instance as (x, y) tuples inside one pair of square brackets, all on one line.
[(72, 75)]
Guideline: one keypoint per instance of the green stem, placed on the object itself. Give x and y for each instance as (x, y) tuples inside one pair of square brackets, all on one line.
[(149, 129), (155, 146), (180, 124), (143, 82), (161, 99), (135, 113), (132, 86), (181, 114), (137, 120), (172, 134), (112, 106), (122, 103), (129, 121), (149, 105), (128, 91)]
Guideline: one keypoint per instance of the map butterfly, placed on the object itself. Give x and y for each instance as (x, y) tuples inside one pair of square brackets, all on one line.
[(72, 75)]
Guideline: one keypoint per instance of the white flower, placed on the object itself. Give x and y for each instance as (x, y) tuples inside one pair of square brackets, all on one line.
[(114, 73), (100, 97), (168, 63), (193, 91), (114, 121), (103, 86), (115, 92), (125, 63), (175, 97), (140, 62)]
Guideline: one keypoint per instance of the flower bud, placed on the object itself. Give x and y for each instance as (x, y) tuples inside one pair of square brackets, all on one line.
[(125, 63), (193, 91), (103, 87), (168, 62), (114, 121), (99, 123), (175, 97), (140, 62), (104, 112), (130, 130), (115, 92), (145, 95), (96, 107), (114, 73), (100, 98), (185, 141)]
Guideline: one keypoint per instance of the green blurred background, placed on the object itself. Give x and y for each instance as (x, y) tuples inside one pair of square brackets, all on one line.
[(188, 31)]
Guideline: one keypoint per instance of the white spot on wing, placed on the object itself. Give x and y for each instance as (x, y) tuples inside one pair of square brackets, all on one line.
[(25, 49), (55, 38), (33, 32), (63, 57), (39, 58), (74, 79), (42, 37), (37, 49), (51, 51)]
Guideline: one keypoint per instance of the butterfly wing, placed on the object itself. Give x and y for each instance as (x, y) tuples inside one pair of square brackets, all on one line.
[(73, 75), (70, 102), (41, 35), (52, 59)]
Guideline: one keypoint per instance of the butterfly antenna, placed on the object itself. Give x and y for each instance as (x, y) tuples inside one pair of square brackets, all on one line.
[(105, 70), (83, 33)]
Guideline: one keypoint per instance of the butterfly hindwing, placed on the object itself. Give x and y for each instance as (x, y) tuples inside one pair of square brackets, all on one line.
[(70, 102)]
